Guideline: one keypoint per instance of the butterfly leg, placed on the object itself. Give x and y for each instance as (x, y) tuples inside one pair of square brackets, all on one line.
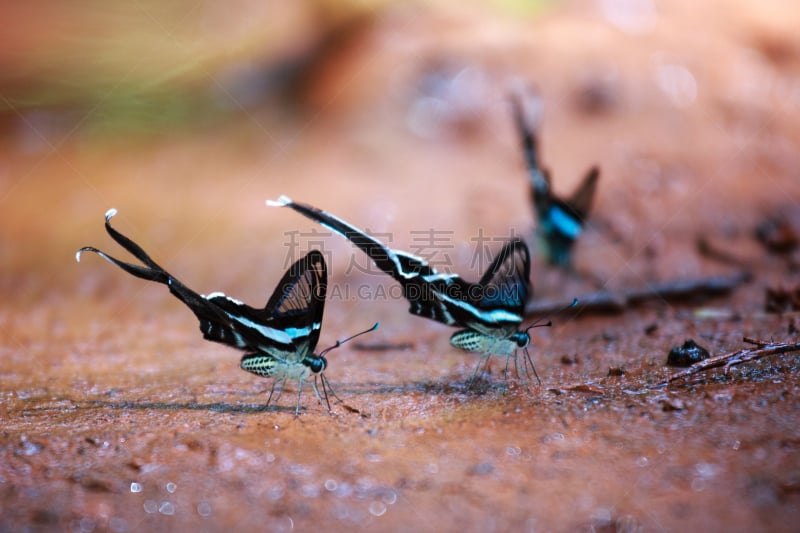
[(483, 361), (272, 390), (299, 390), (324, 392), (326, 385), (527, 362)]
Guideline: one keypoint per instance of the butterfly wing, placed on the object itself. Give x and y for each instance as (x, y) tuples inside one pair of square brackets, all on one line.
[(581, 199), (401, 266), (297, 304), (500, 296), (421, 283), (539, 179)]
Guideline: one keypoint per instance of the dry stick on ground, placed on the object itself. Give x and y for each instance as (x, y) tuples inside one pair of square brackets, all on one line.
[(728, 360), (617, 302)]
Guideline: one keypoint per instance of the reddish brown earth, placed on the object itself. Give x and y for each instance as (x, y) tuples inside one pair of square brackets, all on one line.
[(117, 416)]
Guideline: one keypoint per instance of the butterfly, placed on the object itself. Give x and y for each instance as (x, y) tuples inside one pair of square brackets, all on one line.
[(560, 220), (489, 311), (281, 337)]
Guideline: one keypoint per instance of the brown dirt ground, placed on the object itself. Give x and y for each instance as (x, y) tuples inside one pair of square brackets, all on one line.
[(118, 416)]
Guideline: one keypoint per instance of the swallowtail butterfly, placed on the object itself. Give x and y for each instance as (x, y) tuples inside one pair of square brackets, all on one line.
[(490, 311), (560, 220), (281, 337)]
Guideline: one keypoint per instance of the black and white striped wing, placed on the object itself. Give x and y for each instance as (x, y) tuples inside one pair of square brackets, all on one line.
[(288, 326), (421, 283), (499, 297), (401, 266), (298, 301)]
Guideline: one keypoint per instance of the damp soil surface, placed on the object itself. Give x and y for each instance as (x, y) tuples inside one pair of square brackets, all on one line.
[(117, 416)]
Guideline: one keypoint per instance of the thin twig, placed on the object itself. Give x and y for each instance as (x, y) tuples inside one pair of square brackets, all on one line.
[(619, 301), (763, 349)]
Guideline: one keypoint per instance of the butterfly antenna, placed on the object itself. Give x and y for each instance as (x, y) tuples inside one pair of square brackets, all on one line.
[(339, 343), (538, 323)]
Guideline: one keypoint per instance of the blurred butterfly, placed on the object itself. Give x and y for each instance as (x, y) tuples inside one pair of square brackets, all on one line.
[(282, 336), (490, 311), (560, 220)]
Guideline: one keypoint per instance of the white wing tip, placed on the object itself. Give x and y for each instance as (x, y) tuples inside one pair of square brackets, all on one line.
[(110, 213), (78, 255), (282, 200)]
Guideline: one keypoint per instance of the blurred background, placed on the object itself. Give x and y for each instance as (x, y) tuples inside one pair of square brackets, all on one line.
[(187, 115)]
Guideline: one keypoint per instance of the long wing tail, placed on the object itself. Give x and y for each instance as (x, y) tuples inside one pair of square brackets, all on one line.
[(215, 324), (540, 182), (401, 266)]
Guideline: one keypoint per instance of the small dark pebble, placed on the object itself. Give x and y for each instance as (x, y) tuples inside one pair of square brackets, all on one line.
[(782, 300), (616, 371), (651, 328), (43, 516), (610, 336), (687, 354), (672, 404), (777, 235), (569, 359)]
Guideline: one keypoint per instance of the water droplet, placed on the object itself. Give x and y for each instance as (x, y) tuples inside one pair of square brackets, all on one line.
[(136, 487), (330, 485), (87, 524), (677, 82), (275, 493), (270, 458), (389, 497), (513, 450), (117, 524), (705, 470), (344, 490), (204, 509), (377, 508), (167, 508), (309, 491), (150, 506), (642, 461), (630, 16), (29, 448), (736, 445), (171, 487), (602, 516)]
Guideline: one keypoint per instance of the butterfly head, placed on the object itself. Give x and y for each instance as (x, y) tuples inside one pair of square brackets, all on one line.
[(317, 363), (522, 338)]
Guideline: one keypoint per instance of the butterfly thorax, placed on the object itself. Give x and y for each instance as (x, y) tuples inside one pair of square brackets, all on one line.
[(474, 341)]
